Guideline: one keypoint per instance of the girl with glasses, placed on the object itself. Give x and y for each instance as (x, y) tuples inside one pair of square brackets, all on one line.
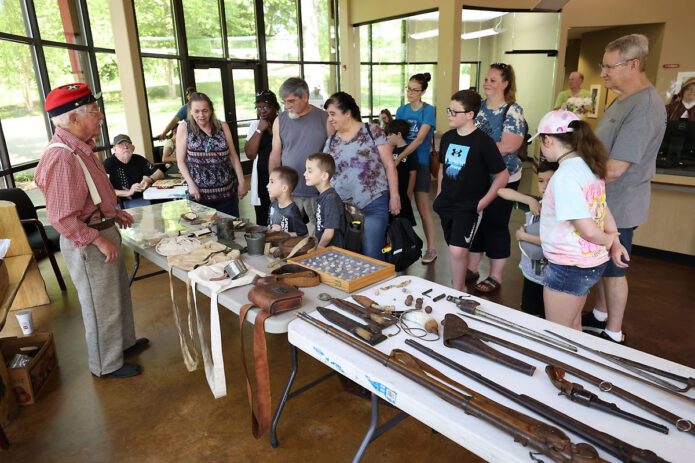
[(420, 116)]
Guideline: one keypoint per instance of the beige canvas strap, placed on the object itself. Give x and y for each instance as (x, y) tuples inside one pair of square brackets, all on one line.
[(93, 193)]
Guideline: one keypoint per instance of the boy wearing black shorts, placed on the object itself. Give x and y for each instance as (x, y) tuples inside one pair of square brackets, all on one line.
[(468, 158)]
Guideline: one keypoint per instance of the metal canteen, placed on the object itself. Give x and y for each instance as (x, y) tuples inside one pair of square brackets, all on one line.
[(235, 269)]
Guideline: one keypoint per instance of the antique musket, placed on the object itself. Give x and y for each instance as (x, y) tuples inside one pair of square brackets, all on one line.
[(646, 371), (577, 394), (682, 424), (526, 430), (616, 447)]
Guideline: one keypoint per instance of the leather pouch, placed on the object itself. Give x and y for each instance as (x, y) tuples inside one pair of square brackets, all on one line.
[(272, 297)]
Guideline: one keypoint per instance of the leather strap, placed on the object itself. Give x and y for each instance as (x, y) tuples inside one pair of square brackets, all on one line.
[(261, 423)]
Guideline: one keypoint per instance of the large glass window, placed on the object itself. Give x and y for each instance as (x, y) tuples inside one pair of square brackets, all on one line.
[(392, 51), (155, 26), (163, 88), (59, 21), (111, 93), (11, 20), (203, 28), (241, 29), (100, 22), (281, 31)]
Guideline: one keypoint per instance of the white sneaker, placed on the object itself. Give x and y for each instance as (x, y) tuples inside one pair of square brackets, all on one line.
[(430, 256)]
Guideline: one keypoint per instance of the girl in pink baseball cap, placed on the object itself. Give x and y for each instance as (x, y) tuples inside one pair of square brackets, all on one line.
[(578, 232)]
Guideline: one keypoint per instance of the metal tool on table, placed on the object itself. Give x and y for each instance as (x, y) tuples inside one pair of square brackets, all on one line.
[(457, 335), (641, 369), (471, 307), (373, 306), (356, 309), (576, 393), (681, 424), (350, 325)]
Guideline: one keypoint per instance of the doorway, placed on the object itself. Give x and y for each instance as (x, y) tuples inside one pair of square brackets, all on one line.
[(232, 89)]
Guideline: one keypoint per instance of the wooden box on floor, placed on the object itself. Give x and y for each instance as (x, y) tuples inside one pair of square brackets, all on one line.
[(27, 382), (386, 271)]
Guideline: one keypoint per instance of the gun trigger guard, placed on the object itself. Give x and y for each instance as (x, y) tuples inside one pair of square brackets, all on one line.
[(605, 386), (684, 425)]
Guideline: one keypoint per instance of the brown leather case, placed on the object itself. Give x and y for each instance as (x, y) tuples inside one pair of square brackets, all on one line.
[(276, 237), (272, 297), (288, 245)]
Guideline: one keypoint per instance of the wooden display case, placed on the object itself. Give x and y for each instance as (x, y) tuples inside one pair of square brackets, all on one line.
[(351, 271)]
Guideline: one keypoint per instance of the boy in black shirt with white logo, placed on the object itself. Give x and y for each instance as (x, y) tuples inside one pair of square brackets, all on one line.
[(284, 214), (468, 158), (329, 212)]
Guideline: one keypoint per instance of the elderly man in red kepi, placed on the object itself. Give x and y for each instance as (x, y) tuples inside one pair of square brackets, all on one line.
[(81, 205)]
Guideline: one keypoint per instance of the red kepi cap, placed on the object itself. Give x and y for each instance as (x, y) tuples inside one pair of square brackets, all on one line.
[(68, 97)]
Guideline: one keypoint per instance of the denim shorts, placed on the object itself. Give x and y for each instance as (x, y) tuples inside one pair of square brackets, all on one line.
[(570, 279)]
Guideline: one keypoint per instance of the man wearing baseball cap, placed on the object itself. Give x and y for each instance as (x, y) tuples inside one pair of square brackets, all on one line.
[(130, 173), (81, 205)]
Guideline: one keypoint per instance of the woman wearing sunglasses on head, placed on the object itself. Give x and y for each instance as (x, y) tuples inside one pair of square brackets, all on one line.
[(503, 120), (259, 143), (207, 159)]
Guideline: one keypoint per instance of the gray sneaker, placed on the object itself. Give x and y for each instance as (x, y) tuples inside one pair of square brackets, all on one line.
[(429, 256)]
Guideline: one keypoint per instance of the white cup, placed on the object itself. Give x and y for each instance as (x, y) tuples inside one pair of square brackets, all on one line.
[(26, 322)]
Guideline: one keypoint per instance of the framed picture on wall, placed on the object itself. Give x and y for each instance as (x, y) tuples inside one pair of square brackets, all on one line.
[(595, 98)]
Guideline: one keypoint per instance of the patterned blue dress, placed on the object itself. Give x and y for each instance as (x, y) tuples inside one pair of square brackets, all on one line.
[(207, 158)]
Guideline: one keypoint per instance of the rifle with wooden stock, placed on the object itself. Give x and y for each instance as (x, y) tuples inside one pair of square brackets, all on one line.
[(526, 430), (616, 447)]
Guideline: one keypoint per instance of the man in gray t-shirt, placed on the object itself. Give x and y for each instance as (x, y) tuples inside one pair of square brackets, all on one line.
[(631, 129), (299, 131)]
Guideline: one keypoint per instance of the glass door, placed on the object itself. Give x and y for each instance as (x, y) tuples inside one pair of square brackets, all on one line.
[(232, 90)]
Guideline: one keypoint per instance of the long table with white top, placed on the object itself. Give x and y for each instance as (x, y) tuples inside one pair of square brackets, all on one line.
[(474, 434)]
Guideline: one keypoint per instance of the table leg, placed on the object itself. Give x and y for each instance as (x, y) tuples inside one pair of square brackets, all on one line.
[(286, 395), (374, 432), (135, 268)]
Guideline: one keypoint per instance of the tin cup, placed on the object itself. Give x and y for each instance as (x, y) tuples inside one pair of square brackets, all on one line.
[(255, 243)]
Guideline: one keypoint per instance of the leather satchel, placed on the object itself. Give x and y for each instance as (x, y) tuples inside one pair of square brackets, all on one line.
[(295, 275), (272, 297)]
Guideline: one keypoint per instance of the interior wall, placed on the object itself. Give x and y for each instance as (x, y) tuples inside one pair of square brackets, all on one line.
[(571, 61), (591, 50)]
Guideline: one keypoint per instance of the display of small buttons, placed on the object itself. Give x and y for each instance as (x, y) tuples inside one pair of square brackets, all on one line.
[(341, 266)]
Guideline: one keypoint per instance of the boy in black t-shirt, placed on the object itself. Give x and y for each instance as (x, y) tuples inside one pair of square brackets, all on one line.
[(396, 131), (468, 158), (329, 212), (284, 214)]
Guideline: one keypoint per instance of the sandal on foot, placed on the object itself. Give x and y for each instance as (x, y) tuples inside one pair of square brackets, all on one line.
[(472, 276), (488, 285)]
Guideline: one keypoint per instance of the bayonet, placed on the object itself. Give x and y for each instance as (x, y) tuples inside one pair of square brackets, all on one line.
[(351, 326)]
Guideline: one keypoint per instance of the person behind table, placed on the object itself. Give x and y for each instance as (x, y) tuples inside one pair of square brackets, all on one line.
[(89, 240), (130, 174), (207, 159), (181, 115), (468, 158), (396, 131), (632, 129), (284, 215), (259, 142), (421, 118), (532, 269), (502, 118), (330, 215), (577, 228)]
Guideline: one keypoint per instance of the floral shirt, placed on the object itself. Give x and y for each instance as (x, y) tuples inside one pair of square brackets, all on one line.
[(359, 177), (490, 121)]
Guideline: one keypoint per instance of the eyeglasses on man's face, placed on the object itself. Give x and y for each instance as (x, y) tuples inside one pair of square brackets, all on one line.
[(608, 67), (454, 113)]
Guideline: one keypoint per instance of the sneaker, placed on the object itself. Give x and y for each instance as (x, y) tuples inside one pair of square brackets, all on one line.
[(126, 371), (429, 256), (589, 323), (605, 336)]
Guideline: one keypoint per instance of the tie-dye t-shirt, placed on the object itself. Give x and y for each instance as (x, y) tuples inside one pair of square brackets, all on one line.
[(574, 192)]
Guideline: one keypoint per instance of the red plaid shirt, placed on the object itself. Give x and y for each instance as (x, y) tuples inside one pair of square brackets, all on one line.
[(62, 182)]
